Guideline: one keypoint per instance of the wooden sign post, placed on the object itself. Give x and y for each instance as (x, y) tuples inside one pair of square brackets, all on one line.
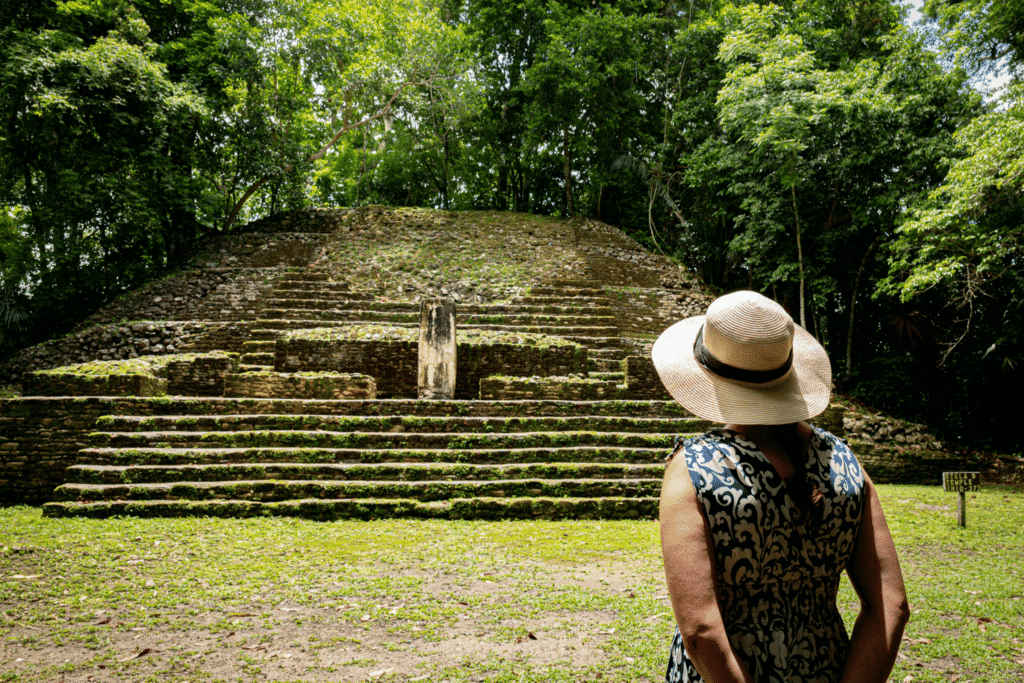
[(961, 482)]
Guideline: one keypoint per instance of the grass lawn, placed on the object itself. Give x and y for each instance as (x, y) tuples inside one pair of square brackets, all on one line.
[(287, 600)]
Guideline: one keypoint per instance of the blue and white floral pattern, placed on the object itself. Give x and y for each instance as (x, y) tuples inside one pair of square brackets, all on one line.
[(776, 577)]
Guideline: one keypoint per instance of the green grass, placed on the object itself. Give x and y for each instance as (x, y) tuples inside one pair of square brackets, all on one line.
[(290, 600)]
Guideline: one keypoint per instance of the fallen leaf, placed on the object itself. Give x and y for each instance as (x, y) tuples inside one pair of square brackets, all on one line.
[(254, 647), (289, 609), (228, 635), (908, 678), (365, 617), (378, 674), (659, 614)]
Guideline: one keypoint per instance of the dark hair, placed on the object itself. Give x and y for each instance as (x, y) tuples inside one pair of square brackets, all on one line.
[(806, 494)]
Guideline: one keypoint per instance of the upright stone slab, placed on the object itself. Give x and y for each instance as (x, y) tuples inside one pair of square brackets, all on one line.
[(436, 378)]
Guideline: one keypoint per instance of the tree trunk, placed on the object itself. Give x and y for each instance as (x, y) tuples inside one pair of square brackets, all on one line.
[(853, 302), (800, 259), (568, 173)]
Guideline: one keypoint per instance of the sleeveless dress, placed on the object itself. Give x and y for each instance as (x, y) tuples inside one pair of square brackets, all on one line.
[(776, 576)]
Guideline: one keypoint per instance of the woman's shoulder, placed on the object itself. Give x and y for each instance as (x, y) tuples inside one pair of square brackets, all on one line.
[(835, 454)]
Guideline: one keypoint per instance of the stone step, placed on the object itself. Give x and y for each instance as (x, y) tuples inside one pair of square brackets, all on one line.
[(510, 320), (379, 440), (597, 365), (245, 367), (588, 336), (312, 300), (574, 283), (373, 508), (398, 424), (125, 457), (108, 475), (608, 376), (261, 346), (306, 275), (192, 405), (262, 359), (276, 490), (566, 292), (291, 288), (545, 300)]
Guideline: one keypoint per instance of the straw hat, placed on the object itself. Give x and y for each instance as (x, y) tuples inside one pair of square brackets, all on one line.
[(745, 362)]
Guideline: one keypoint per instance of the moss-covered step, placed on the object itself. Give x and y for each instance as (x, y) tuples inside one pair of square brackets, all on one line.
[(263, 358), (378, 440), (328, 314), (276, 490), (403, 424), (320, 286), (203, 405), (154, 474), (314, 299), (197, 406), (546, 300), (261, 346), (608, 376), (586, 336), (329, 510), (566, 291), (199, 456)]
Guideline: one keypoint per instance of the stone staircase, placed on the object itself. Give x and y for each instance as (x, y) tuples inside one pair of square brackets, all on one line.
[(565, 308), (373, 459), (386, 458)]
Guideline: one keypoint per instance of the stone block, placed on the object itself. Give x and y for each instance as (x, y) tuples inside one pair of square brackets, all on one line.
[(323, 386), (437, 349), (201, 375), (40, 383)]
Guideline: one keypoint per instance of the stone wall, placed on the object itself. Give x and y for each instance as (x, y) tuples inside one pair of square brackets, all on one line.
[(642, 380), (391, 363), (394, 363), (899, 465), (881, 430), (105, 342), (478, 361), (324, 386), (504, 388)]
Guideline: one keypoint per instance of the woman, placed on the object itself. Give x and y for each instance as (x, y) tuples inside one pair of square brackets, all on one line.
[(760, 519)]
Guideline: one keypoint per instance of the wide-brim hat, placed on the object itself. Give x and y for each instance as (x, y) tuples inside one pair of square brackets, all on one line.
[(744, 362)]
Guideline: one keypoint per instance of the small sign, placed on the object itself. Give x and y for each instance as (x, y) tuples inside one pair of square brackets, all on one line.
[(958, 482), (961, 482)]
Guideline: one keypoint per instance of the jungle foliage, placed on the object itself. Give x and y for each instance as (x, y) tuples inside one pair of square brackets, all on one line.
[(818, 151)]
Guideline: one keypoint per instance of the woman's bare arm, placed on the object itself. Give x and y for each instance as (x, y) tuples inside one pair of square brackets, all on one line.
[(874, 571), (687, 551)]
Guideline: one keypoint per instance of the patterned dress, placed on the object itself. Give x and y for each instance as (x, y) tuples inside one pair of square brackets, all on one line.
[(776, 576)]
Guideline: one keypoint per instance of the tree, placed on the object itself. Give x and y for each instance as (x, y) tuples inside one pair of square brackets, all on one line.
[(94, 127)]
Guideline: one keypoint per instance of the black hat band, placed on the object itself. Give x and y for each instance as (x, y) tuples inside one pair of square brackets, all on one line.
[(713, 365)]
